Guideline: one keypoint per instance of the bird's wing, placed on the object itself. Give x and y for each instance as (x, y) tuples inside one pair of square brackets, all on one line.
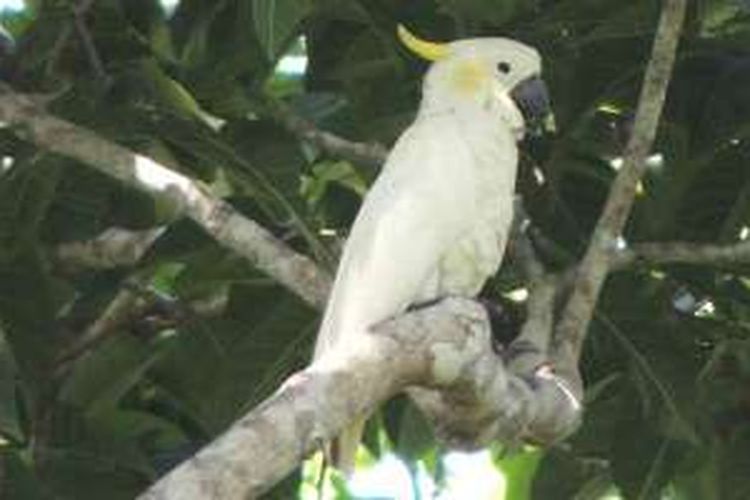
[(421, 202)]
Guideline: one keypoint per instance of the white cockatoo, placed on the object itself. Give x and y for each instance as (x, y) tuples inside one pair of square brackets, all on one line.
[(436, 221)]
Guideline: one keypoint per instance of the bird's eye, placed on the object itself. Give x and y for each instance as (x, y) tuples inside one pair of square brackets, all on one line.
[(503, 67)]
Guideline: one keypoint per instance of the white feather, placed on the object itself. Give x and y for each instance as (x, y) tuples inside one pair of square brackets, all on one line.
[(433, 224)]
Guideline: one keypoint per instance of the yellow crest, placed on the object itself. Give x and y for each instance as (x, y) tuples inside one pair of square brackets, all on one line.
[(432, 51)]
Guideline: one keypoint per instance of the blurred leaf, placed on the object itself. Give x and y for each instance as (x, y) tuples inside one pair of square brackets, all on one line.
[(415, 436), (10, 426), (733, 461), (102, 452), (519, 470), (29, 301), (497, 13), (276, 22), (19, 479), (340, 172), (26, 192), (562, 475), (643, 462), (270, 170), (263, 324), (100, 380)]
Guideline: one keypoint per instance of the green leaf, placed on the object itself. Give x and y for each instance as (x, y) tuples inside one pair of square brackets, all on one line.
[(89, 458), (268, 166), (263, 337), (29, 301), (19, 478), (26, 192), (643, 462), (277, 21), (415, 434), (99, 381), (519, 470)]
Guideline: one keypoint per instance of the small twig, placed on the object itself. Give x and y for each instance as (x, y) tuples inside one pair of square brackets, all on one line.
[(572, 328), (115, 247), (665, 253), (64, 36), (682, 253), (125, 306), (137, 306), (79, 21), (57, 48), (369, 153)]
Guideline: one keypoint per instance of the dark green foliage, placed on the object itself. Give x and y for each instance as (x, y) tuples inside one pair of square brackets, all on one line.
[(668, 406)]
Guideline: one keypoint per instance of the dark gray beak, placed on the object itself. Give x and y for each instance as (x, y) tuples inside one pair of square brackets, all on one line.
[(532, 99)]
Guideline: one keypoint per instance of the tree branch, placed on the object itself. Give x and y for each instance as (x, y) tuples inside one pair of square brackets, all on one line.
[(123, 309), (682, 253), (227, 226), (114, 247), (520, 246), (445, 348), (369, 153), (63, 37), (572, 328), (79, 22), (138, 308)]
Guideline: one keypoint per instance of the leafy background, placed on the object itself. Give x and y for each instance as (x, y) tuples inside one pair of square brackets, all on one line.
[(667, 364)]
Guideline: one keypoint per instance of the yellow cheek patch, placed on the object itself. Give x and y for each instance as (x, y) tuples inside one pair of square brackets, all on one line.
[(469, 77)]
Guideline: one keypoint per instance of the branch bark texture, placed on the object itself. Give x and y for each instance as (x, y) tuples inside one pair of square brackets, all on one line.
[(592, 271), (444, 348)]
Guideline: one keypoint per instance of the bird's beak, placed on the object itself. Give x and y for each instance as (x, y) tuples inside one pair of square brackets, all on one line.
[(532, 98), (431, 51)]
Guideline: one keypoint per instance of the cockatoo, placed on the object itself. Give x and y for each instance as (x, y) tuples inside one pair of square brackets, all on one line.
[(436, 220)]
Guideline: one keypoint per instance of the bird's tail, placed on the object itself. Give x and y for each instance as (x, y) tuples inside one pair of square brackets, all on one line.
[(343, 450)]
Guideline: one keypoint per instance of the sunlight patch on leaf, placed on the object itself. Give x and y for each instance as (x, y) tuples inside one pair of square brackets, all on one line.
[(518, 295)]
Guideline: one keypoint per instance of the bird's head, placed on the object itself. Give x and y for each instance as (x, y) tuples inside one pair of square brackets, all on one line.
[(499, 75)]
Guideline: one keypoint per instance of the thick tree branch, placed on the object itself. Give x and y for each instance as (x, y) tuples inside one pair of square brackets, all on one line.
[(445, 348), (594, 267), (230, 228)]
